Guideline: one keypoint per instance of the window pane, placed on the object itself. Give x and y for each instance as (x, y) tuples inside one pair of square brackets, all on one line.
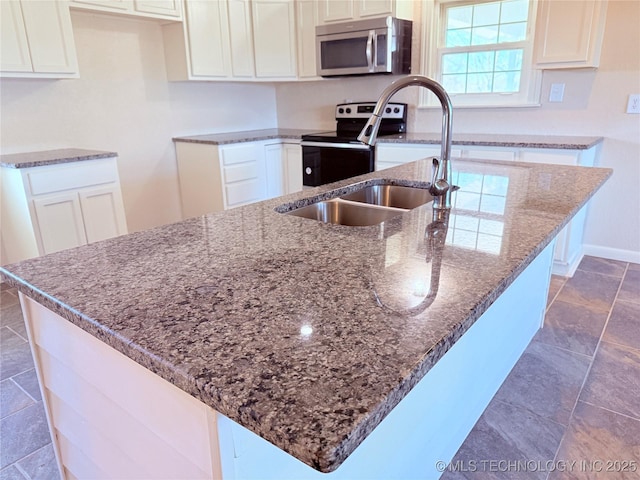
[(481, 62), (454, 63), (479, 82), (515, 11), (508, 60), (459, 17), (486, 14), (506, 82), (512, 32), (454, 83), (458, 38), (484, 35)]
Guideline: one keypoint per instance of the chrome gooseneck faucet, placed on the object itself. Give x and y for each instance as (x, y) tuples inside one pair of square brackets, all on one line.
[(441, 187)]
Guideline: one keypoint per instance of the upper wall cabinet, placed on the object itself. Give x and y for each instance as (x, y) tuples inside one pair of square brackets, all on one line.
[(37, 40), (569, 33), (332, 11), (158, 9), (239, 40), (274, 38)]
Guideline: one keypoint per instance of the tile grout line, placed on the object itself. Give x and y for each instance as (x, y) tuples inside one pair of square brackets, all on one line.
[(20, 387), (586, 376), (613, 411)]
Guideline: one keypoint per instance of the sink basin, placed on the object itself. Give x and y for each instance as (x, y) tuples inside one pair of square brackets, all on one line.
[(391, 196), (345, 213)]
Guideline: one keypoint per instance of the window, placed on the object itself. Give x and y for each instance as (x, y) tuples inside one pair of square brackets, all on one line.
[(481, 51)]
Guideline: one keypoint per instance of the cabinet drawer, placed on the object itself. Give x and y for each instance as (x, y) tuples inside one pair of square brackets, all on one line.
[(59, 178), (234, 154), (508, 155), (238, 173), (552, 157), (244, 192)]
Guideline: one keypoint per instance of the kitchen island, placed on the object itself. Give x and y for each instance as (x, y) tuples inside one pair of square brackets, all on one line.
[(212, 346)]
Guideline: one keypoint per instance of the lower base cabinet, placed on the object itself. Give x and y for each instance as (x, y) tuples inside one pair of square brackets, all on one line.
[(569, 248), (55, 207), (218, 177)]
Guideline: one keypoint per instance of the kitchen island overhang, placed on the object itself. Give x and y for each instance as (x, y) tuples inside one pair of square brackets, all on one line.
[(219, 305)]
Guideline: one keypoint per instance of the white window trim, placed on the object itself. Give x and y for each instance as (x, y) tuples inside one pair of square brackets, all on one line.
[(430, 58)]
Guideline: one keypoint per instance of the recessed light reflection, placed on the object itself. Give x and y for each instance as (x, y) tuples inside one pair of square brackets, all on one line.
[(306, 330)]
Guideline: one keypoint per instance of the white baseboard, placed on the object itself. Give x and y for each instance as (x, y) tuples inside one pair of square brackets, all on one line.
[(612, 253)]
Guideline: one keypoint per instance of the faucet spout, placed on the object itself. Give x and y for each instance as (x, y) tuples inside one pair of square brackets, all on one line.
[(441, 187)]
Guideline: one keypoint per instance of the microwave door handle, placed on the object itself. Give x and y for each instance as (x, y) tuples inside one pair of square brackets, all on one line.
[(375, 51), (369, 51)]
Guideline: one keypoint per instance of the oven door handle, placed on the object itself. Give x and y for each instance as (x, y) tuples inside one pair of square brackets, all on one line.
[(353, 146)]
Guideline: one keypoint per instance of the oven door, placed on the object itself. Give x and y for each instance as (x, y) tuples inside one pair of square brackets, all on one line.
[(329, 162)]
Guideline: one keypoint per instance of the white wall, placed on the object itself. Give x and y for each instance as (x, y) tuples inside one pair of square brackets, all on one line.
[(122, 102), (594, 105)]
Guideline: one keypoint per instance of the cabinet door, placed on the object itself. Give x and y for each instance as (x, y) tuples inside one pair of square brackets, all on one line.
[(14, 53), (306, 30), (274, 38), (330, 11), (292, 155), (102, 213), (374, 8), (48, 26), (569, 34), (115, 5), (275, 170), (208, 38), (168, 8), (241, 38), (59, 221)]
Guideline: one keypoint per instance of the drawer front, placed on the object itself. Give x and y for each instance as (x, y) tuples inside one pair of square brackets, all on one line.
[(240, 153), (241, 172), (58, 178), (554, 157), (508, 155), (244, 192)]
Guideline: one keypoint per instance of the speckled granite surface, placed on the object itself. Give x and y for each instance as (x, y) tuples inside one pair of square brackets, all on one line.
[(488, 140), (274, 321), (51, 157), (245, 136)]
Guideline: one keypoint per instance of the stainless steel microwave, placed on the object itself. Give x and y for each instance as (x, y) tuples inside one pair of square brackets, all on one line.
[(364, 47)]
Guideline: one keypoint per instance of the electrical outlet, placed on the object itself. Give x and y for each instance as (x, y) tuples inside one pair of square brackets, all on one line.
[(556, 93), (633, 105)]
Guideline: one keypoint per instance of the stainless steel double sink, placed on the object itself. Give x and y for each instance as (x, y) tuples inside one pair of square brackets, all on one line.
[(369, 205)]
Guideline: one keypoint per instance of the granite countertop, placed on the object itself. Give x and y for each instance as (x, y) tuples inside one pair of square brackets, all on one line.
[(490, 140), (272, 319), (246, 136), (51, 157)]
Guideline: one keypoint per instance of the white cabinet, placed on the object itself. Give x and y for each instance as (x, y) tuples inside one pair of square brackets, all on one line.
[(241, 39), (218, 177), (37, 40), (198, 49), (306, 22), (157, 9), (394, 154), (54, 207), (569, 34), (274, 38), (331, 11)]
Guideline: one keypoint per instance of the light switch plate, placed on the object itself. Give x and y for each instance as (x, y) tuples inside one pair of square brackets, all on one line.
[(633, 105)]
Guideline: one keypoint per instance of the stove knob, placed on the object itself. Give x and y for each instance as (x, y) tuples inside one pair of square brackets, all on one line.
[(341, 110), (396, 110), (307, 170), (388, 110), (348, 110)]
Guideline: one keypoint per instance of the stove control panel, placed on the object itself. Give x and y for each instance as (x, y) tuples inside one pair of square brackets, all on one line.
[(364, 110)]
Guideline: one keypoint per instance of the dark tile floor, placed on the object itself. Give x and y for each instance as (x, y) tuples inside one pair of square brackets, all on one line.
[(570, 408), (571, 403)]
